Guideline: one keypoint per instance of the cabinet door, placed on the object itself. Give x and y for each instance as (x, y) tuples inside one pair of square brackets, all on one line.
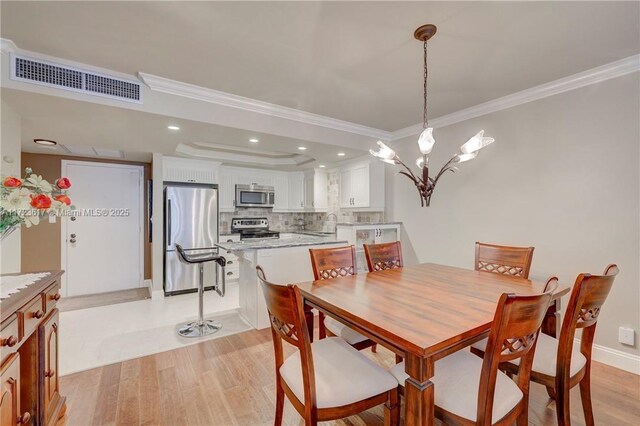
[(296, 192), (308, 193), (346, 193), (320, 191), (227, 191), (10, 396), (281, 189), (48, 334), (360, 185)]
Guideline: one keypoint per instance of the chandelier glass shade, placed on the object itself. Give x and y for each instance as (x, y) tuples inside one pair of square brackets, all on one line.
[(425, 183)]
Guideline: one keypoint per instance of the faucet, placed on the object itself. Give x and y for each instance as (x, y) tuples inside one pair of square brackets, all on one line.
[(326, 219)]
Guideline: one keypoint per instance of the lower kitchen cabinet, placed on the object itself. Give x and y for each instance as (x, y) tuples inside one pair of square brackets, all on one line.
[(360, 234)]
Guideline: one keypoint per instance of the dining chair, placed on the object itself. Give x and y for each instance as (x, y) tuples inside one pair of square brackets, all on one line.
[(556, 364), (333, 263), (327, 379), (383, 256), (506, 260), (473, 391)]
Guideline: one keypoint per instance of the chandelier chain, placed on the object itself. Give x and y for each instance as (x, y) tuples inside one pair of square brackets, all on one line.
[(425, 121)]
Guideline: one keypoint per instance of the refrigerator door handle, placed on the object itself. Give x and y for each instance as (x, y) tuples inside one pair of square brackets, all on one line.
[(169, 222)]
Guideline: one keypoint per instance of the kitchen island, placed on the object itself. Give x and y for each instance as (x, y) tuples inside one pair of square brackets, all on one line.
[(285, 260)]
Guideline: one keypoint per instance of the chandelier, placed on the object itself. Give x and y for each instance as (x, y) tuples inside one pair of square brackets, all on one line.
[(425, 183)]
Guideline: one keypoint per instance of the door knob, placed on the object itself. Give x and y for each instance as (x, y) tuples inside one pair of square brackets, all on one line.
[(72, 240), (73, 235)]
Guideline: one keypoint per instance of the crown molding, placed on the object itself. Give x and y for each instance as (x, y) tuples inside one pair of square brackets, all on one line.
[(178, 88), (7, 46), (565, 84)]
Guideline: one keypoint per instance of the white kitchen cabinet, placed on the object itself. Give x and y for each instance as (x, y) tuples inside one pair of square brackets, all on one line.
[(315, 191), (358, 235), (281, 189), (232, 269), (176, 169), (227, 190), (296, 192), (362, 186)]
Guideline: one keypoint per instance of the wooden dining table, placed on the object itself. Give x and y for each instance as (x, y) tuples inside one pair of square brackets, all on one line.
[(423, 313)]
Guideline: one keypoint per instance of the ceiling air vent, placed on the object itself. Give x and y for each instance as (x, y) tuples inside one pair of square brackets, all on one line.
[(62, 77)]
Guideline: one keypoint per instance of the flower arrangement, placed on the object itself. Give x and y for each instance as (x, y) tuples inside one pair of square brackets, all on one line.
[(26, 200)]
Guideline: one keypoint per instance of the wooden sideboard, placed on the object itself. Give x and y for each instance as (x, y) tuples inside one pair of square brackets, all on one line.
[(29, 323)]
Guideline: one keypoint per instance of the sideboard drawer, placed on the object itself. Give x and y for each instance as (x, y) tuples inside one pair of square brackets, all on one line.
[(9, 337), (31, 315), (51, 296)]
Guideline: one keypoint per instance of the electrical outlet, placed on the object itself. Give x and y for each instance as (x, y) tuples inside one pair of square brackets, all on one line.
[(626, 336)]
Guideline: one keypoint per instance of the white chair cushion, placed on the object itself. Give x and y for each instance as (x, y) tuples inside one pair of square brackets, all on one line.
[(343, 375), (544, 360), (340, 330), (456, 381)]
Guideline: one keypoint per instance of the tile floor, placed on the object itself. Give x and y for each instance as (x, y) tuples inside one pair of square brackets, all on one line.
[(98, 336)]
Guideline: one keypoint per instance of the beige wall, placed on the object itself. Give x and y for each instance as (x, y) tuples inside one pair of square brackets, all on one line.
[(10, 133), (41, 244), (563, 176)]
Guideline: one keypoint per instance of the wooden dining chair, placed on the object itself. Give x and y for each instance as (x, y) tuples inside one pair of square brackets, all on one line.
[(327, 379), (515, 261), (556, 365), (383, 256), (473, 391), (333, 263)]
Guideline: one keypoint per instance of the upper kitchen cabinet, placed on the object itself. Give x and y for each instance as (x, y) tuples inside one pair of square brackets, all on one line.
[(316, 195), (281, 189), (176, 169), (296, 192), (362, 186)]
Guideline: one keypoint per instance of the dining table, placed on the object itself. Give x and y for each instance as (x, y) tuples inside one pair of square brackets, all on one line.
[(423, 313)]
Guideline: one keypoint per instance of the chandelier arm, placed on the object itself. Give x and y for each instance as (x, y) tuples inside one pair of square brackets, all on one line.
[(444, 168), (413, 176)]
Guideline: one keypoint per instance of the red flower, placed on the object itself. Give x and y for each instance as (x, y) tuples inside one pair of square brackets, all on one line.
[(12, 182), (63, 199), (40, 201), (63, 183)]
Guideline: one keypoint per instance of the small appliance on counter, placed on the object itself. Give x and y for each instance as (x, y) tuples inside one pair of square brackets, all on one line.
[(255, 196), (191, 221), (252, 227)]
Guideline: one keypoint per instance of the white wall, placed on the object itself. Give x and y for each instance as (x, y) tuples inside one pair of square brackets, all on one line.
[(10, 133), (563, 176)]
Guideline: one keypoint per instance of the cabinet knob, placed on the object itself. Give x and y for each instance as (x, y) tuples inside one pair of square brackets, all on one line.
[(24, 419), (49, 373), (229, 262), (55, 296), (10, 341), (38, 314), (229, 273)]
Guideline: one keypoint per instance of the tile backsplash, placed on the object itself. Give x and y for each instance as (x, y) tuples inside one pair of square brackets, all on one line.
[(289, 222)]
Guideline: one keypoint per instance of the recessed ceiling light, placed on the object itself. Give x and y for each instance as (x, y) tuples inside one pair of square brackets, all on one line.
[(322, 166), (173, 127), (46, 142), (254, 140), (302, 148), (341, 154)]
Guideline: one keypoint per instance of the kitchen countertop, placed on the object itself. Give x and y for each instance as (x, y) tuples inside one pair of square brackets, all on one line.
[(367, 223), (295, 240)]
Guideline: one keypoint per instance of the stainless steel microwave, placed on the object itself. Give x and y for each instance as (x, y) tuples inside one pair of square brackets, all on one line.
[(254, 196)]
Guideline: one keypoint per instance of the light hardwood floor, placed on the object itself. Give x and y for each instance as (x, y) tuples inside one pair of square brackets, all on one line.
[(230, 381)]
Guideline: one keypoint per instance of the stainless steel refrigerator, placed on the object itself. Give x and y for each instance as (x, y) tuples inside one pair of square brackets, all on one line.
[(191, 220)]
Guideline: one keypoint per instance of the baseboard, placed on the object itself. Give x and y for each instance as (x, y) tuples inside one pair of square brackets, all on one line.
[(615, 358), (154, 294)]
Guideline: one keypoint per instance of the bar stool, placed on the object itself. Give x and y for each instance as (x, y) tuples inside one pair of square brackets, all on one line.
[(202, 327)]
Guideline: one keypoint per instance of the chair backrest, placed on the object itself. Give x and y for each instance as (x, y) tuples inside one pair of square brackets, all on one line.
[(383, 256), (587, 297), (333, 262), (514, 333), (286, 313), (515, 261)]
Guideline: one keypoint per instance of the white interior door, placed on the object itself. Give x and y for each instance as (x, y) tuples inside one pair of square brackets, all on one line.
[(102, 245)]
